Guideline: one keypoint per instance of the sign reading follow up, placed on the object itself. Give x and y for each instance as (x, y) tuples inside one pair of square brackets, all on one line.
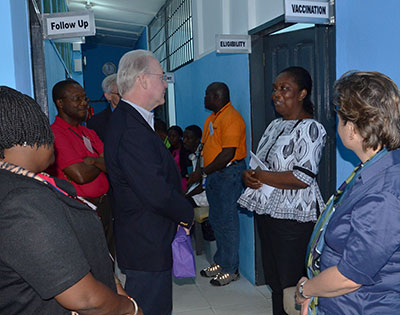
[(68, 24)]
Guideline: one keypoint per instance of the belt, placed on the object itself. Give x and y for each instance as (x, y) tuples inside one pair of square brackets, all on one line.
[(233, 162), (96, 200)]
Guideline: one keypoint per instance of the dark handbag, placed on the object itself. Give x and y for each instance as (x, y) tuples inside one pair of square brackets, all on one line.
[(183, 265), (208, 233)]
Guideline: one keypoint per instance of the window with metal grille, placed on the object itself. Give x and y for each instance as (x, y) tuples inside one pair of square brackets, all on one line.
[(171, 34)]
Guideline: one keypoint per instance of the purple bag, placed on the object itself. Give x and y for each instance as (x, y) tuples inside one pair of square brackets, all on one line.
[(183, 265)]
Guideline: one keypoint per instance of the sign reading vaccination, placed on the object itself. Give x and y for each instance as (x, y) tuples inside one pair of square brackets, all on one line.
[(309, 11), (68, 24)]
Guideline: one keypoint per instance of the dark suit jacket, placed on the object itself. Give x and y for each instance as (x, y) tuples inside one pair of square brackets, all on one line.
[(146, 190), (99, 123)]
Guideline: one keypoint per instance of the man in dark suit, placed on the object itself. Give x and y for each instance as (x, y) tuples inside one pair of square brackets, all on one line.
[(99, 122), (146, 185)]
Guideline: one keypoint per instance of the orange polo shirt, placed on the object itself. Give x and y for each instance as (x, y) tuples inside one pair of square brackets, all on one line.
[(224, 129)]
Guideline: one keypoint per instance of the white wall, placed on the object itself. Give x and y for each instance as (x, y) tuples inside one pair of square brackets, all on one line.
[(211, 17)]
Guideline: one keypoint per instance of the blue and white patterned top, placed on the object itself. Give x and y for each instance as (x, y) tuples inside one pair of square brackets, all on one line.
[(290, 145)]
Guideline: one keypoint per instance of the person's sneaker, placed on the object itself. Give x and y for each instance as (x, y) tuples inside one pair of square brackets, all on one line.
[(211, 271), (225, 278)]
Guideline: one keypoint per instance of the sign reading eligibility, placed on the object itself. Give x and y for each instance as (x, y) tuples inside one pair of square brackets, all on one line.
[(233, 44), (68, 24), (309, 11)]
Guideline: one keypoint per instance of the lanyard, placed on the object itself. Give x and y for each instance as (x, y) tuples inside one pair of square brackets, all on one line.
[(80, 137)]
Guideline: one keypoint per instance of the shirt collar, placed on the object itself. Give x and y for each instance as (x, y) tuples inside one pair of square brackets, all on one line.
[(379, 166), (65, 125), (223, 108), (147, 116)]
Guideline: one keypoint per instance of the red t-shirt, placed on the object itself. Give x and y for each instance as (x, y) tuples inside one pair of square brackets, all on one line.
[(69, 148)]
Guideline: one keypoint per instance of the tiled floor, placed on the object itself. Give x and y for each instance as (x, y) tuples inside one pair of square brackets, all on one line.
[(198, 297)]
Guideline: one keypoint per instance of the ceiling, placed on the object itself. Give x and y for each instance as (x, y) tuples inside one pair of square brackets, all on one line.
[(118, 22)]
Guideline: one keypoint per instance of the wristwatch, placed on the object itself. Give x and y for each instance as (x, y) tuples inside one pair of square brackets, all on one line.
[(301, 290)]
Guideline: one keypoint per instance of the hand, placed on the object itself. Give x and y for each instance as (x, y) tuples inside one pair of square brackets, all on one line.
[(89, 160), (304, 307), (194, 178), (299, 299), (186, 230), (250, 180)]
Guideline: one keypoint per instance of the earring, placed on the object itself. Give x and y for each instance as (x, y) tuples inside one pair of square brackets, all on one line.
[(24, 144)]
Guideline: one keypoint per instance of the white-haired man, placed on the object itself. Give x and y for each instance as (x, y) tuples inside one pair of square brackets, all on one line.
[(99, 122), (146, 185)]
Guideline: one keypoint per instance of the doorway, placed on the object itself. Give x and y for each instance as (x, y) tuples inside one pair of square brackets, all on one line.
[(314, 49)]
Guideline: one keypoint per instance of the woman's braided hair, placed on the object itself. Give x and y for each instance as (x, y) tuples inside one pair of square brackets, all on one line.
[(22, 121)]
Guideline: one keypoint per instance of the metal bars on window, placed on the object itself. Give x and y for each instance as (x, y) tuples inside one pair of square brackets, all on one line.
[(171, 34)]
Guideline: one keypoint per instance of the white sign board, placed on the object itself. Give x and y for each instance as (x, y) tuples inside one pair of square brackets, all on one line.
[(233, 44), (309, 11), (68, 24)]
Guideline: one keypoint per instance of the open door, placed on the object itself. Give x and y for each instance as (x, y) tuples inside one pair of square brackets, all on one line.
[(314, 49)]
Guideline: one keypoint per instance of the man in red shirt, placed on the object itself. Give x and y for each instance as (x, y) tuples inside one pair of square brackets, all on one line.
[(78, 151)]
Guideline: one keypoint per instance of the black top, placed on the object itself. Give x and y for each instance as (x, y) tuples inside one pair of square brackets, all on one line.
[(99, 122), (48, 242)]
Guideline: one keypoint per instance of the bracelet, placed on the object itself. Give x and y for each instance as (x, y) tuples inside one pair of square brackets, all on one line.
[(134, 304), (301, 290)]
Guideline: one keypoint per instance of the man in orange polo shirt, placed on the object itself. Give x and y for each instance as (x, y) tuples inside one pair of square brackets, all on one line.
[(224, 150)]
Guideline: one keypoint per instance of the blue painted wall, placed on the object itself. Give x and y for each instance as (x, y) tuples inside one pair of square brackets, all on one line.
[(15, 51), (366, 39), (142, 42), (191, 82), (96, 57), (55, 72)]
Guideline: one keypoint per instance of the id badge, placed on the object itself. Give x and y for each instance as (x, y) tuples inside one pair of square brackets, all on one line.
[(210, 127), (88, 144)]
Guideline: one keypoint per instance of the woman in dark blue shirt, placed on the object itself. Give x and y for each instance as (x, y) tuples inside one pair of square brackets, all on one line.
[(354, 253)]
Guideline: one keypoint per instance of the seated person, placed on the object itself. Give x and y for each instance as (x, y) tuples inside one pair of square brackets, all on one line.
[(160, 128), (191, 142), (180, 154)]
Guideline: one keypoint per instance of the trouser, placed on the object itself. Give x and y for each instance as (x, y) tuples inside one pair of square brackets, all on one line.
[(223, 189), (284, 245), (104, 209), (151, 290)]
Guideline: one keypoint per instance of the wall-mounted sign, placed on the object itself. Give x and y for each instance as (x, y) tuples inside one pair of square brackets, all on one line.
[(309, 11), (169, 77), (68, 24), (233, 44)]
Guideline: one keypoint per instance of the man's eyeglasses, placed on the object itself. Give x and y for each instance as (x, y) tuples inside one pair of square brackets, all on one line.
[(77, 99), (163, 77)]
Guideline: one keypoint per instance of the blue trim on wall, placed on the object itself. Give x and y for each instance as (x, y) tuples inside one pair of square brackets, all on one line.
[(142, 41), (365, 41), (191, 82)]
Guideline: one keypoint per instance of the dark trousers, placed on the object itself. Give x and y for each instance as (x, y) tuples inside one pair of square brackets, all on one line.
[(151, 290), (104, 209), (284, 245)]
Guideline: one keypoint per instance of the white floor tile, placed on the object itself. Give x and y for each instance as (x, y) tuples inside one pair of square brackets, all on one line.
[(262, 308), (206, 311), (188, 297)]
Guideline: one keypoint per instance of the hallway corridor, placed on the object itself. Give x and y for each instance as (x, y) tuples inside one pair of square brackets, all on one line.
[(198, 297)]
